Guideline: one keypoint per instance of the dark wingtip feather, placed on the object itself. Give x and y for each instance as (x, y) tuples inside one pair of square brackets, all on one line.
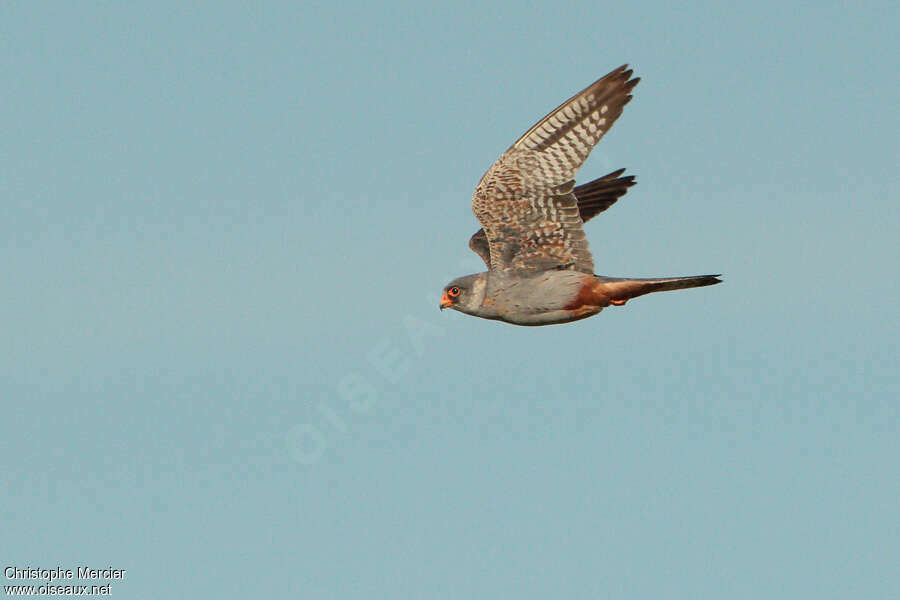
[(596, 196)]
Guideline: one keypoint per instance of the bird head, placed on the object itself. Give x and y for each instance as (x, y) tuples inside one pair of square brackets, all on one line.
[(464, 294)]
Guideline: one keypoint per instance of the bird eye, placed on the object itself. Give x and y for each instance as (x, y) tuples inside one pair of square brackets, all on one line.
[(453, 292)]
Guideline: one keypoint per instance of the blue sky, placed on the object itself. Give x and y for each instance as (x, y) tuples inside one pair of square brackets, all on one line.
[(224, 234)]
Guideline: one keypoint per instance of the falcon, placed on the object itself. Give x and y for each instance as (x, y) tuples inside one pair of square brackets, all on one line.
[(540, 270)]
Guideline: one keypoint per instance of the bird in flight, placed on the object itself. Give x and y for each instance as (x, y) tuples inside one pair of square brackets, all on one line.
[(540, 270)]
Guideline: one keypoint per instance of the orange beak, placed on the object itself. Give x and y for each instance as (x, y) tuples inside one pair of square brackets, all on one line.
[(445, 301)]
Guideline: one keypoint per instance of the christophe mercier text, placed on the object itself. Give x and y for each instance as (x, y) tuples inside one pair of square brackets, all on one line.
[(59, 575)]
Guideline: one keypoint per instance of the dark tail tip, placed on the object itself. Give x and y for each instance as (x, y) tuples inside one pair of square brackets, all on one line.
[(708, 279)]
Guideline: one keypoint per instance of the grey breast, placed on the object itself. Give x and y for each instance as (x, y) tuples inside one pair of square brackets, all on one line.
[(537, 292)]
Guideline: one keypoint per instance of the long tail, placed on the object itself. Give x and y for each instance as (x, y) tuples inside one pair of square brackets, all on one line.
[(621, 290)]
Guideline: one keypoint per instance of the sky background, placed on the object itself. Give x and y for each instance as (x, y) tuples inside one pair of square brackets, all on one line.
[(223, 235)]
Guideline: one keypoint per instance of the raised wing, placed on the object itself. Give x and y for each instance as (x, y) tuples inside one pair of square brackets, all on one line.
[(525, 201), (592, 198)]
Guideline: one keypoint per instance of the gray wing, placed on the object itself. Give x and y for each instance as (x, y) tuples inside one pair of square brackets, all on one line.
[(592, 198), (525, 201)]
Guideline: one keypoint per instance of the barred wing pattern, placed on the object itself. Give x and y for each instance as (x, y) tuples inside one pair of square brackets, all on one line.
[(525, 202), (592, 198)]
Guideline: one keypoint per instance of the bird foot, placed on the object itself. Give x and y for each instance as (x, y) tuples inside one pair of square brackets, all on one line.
[(618, 302)]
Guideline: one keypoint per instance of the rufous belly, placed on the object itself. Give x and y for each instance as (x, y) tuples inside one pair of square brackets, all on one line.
[(593, 295)]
